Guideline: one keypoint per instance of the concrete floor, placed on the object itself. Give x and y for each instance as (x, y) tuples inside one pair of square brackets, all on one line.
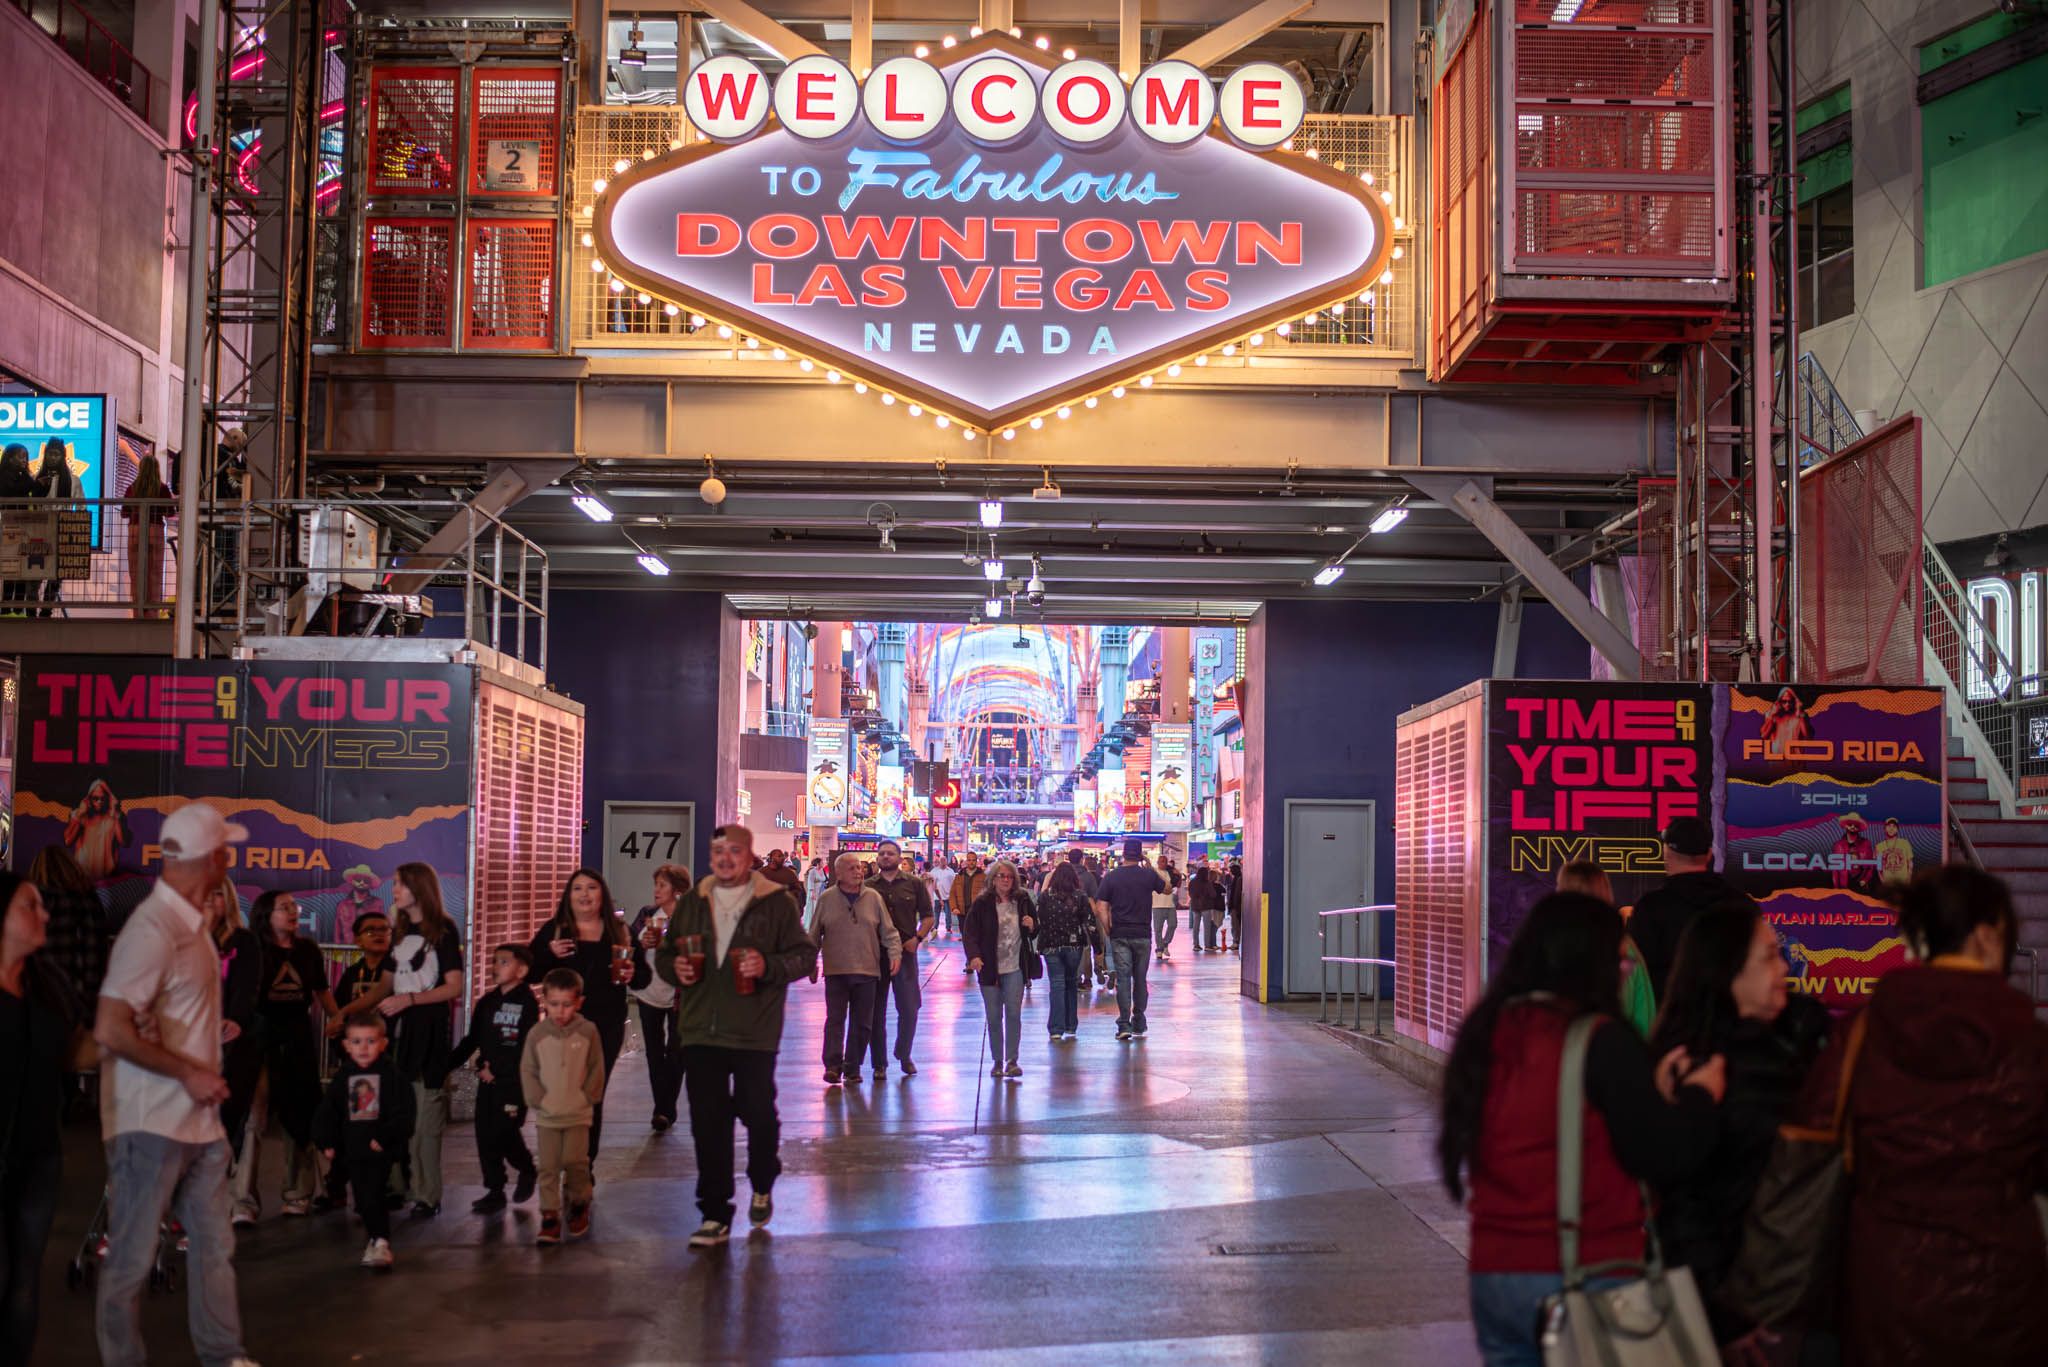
[(1237, 1188)]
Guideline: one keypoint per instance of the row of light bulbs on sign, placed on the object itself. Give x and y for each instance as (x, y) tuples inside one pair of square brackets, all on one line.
[(753, 346)]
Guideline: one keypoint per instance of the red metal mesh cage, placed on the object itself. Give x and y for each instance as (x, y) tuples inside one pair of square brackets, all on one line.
[(1614, 231), (1439, 918), (412, 130), (510, 304), (519, 109), (408, 282), (1593, 12), (1595, 64), (1859, 554), (1461, 156), (1569, 137), (529, 818)]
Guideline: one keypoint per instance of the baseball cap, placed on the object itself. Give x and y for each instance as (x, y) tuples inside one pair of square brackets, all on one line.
[(1134, 848), (197, 830), (1689, 835)]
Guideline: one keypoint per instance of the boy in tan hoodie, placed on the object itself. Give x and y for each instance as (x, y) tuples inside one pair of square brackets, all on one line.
[(561, 1073)]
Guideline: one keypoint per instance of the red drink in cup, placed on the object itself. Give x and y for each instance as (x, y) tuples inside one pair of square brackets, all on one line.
[(622, 963), (741, 983), (693, 950)]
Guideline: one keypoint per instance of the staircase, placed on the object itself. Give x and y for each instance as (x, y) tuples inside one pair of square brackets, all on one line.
[(2013, 847)]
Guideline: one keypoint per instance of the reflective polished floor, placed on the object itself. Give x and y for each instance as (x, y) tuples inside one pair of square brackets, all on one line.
[(1238, 1187)]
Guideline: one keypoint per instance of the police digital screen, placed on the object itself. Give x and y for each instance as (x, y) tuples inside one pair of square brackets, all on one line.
[(84, 423)]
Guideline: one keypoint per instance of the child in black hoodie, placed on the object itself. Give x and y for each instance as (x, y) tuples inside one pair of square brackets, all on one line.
[(498, 1028), (364, 1123)]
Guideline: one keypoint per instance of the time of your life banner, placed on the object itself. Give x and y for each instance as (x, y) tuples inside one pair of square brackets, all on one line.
[(1820, 798), (340, 772)]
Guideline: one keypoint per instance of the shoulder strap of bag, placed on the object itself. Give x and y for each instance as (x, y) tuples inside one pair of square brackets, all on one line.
[(1571, 1137)]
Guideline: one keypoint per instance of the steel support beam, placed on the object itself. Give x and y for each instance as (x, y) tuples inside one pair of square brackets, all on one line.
[(738, 14), (192, 447), (1254, 24), (1465, 496), (998, 16), (1130, 38), (1507, 634), (860, 44), (508, 485)]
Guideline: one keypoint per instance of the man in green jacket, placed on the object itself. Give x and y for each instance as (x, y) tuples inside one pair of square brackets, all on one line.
[(733, 947)]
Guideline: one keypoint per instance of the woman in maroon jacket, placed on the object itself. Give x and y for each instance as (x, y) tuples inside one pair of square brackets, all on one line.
[(1948, 1112), (1499, 1127)]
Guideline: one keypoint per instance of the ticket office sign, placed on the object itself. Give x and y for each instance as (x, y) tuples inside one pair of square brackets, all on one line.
[(992, 234)]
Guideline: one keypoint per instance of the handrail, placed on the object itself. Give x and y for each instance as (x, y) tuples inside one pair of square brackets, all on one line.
[(1365, 935), (88, 43), (2033, 971)]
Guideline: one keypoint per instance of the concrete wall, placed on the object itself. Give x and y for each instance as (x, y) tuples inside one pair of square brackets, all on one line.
[(658, 673), (85, 280), (1970, 356), (1327, 680)]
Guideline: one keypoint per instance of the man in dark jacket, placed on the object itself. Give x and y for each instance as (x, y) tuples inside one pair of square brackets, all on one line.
[(1663, 913), (733, 947)]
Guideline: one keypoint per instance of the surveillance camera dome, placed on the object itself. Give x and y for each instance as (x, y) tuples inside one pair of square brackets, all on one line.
[(712, 490)]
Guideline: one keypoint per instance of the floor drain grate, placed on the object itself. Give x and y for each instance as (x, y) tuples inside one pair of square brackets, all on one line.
[(1268, 1250)]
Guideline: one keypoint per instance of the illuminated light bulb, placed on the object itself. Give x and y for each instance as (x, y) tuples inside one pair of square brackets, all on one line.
[(1366, 297), (696, 320), (779, 354), (1315, 154), (974, 32), (967, 434), (618, 286), (1009, 434), (1067, 53), (675, 144), (1173, 371), (619, 166), (1398, 253), (1041, 42), (597, 186), (1365, 176), (589, 241), (831, 377), (1284, 329), (1288, 145), (888, 399), (1230, 348), (1386, 196), (860, 386), (1337, 310), (753, 343), (724, 332), (1386, 277), (1398, 224), (597, 266), (942, 421), (1016, 33), (1202, 360), (949, 41), (670, 309), (921, 51), (1037, 423), (917, 410), (1311, 318), (1144, 382), (644, 297), (1065, 412), (1090, 401), (647, 154), (1258, 339), (1117, 393), (1124, 76), (806, 365)]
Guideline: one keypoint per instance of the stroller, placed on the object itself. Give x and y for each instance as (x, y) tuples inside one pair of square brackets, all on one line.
[(164, 1270)]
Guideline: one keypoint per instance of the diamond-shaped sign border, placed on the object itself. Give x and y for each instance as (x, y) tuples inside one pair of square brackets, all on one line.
[(856, 366)]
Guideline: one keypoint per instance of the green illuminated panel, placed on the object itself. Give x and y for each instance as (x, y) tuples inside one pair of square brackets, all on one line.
[(1984, 200)]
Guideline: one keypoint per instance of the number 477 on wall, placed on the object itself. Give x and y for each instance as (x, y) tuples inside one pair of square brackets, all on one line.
[(648, 844)]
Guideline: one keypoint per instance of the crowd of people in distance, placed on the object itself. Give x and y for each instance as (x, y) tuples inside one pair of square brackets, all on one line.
[(1941, 1082)]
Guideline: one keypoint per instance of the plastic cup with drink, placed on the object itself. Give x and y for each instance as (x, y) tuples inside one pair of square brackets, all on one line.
[(693, 950)]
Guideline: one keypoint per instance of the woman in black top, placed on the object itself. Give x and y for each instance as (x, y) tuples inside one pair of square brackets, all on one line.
[(79, 940), (41, 1025), (426, 980), (241, 1025), (586, 934), (1727, 995), (1065, 916), (294, 978)]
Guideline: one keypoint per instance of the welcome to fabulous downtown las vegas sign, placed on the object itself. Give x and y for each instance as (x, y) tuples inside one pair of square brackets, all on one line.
[(990, 234)]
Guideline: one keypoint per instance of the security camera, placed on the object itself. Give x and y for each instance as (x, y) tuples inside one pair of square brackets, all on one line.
[(1036, 597)]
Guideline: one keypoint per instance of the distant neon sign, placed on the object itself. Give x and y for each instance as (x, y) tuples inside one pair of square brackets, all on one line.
[(996, 237)]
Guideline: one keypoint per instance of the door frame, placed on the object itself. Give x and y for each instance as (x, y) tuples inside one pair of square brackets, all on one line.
[(688, 858), (1372, 851)]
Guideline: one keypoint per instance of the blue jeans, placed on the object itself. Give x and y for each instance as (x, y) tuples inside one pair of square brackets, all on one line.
[(1507, 1308), (147, 1177), (1003, 1000), (904, 987), (1132, 958), (1063, 983)]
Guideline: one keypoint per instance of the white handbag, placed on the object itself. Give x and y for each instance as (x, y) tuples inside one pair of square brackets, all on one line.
[(1654, 1321)]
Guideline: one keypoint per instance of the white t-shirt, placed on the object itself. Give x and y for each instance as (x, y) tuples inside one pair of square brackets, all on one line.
[(727, 906), (942, 879), (165, 963)]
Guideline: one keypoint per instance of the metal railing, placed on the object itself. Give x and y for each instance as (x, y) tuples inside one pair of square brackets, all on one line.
[(94, 48), (775, 721), (88, 558), (1353, 978)]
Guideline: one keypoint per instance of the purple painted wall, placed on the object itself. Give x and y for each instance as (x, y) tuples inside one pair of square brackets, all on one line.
[(1327, 681)]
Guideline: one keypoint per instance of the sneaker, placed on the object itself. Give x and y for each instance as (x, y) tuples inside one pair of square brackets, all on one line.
[(831, 1078), (710, 1234), (377, 1255), (298, 1205), (523, 1193), (996, 1071), (881, 1072), (909, 1068), (550, 1229), (1012, 1070), (243, 1217), (579, 1219), (1122, 1034), (761, 1209), (852, 1077), (425, 1210), (1138, 1033), (662, 1122), (490, 1203)]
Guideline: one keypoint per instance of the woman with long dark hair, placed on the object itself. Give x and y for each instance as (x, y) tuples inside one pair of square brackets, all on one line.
[(1727, 996), (587, 934), (42, 1024), (996, 938), (1948, 1132), (1499, 1130), (426, 982), (294, 980), (1065, 917)]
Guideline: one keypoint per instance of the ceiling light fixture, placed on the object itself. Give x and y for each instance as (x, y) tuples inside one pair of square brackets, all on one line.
[(652, 563), (991, 513), (994, 608), (632, 54), (1390, 517), (992, 570), (1329, 574), (589, 504)]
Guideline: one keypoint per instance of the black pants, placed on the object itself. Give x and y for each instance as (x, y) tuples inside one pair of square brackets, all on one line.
[(611, 1036), (725, 1085), (369, 1174), (28, 1206), (500, 1111), (849, 1016), (664, 1061)]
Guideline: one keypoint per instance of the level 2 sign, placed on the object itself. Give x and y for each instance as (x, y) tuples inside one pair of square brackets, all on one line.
[(992, 234)]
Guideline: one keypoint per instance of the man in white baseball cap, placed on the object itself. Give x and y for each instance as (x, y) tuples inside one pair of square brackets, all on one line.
[(160, 1098)]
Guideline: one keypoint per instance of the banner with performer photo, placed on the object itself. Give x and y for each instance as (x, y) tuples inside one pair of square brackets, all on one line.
[(826, 778), (1173, 768), (341, 772)]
